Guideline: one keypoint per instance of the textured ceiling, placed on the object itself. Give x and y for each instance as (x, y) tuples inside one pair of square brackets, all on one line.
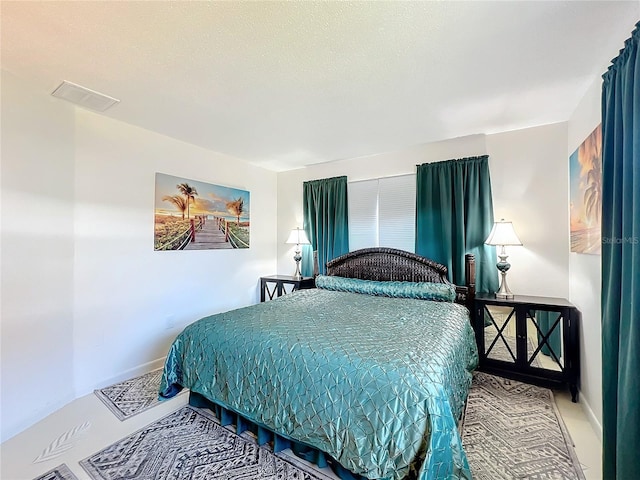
[(286, 84)]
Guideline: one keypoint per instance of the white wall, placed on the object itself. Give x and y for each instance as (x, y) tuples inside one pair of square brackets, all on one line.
[(529, 179), (585, 275), (125, 290), (86, 300), (529, 182), (37, 255)]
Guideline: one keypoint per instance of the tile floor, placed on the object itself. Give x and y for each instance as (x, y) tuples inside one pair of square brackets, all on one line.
[(98, 427), (587, 443)]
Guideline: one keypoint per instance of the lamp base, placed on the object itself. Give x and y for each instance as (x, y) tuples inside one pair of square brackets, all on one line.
[(503, 267), (297, 257), (504, 296), (504, 291)]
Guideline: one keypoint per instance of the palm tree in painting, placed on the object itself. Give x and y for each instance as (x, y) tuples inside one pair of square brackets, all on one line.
[(235, 207), (189, 193), (593, 192), (178, 201)]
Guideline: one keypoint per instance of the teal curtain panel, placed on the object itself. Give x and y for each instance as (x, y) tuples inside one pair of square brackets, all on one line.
[(454, 216), (621, 263), (326, 222)]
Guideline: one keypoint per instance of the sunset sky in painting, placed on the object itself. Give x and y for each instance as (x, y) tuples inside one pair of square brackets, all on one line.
[(211, 199), (581, 161), (585, 178)]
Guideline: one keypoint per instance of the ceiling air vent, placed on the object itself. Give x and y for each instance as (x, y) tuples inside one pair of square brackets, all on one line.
[(84, 97)]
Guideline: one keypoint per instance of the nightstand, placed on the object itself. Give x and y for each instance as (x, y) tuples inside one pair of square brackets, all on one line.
[(531, 339), (276, 285)]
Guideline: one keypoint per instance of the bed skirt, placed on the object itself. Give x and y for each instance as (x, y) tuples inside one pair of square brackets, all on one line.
[(265, 435)]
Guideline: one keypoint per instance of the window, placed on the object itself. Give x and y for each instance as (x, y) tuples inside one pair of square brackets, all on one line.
[(382, 213)]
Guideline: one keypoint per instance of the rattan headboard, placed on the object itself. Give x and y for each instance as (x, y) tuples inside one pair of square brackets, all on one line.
[(390, 264)]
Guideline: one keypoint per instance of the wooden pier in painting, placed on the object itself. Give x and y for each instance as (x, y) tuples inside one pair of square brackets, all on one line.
[(208, 237)]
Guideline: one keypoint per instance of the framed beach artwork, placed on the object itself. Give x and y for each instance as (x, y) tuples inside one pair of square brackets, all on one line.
[(194, 215), (585, 177)]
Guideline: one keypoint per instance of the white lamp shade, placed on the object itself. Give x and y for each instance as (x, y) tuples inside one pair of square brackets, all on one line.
[(298, 236), (503, 233)]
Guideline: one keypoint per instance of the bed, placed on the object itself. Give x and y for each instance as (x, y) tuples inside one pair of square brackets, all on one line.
[(368, 372)]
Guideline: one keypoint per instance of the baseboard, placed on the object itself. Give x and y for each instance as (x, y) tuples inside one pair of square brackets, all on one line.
[(126, 375), (10, 430), (593, 420), (134, 372)]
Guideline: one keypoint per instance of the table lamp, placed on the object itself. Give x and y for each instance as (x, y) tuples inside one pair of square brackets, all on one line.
[(503, 234), (299, 237)]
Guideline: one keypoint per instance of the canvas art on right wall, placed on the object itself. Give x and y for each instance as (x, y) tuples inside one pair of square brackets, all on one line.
[(585, 177)]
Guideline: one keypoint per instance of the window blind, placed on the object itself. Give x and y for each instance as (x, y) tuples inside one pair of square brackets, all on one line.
[(363, 214), (397, 212), (382, 213)]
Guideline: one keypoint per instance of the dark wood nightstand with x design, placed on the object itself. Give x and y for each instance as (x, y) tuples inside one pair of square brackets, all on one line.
[(277, 285), (531, 339)]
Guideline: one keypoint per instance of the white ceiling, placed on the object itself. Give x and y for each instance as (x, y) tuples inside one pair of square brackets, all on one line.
[(286, 84)]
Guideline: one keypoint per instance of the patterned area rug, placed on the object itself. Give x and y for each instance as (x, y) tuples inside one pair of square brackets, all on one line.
[(190, 444), (514, 430), (61, 472), (128, 398), (511, 430)]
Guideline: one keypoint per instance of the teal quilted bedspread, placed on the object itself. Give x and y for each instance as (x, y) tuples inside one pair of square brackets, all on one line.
[(377, 383)]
